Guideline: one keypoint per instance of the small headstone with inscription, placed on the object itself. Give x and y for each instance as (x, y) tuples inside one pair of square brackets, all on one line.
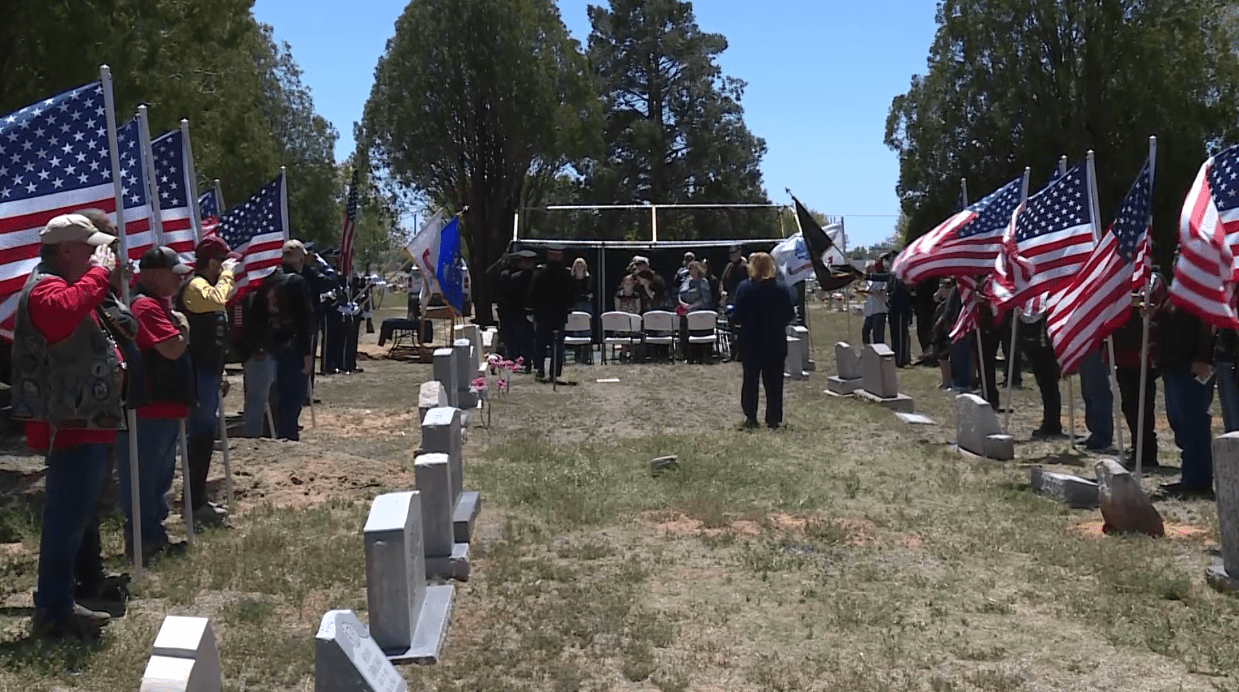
[(431, 395), (442, 433), (347, 659), (466, 371), (473, 334), (444, 556), (793, 365), (445, 373), (881, 379), (802, 333), (847, 377), (1223, 574), (184, 658)]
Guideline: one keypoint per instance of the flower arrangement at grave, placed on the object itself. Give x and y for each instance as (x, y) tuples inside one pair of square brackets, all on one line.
[(479, 387)]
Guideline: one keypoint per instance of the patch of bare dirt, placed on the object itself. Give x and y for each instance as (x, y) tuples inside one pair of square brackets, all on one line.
[(291, 474), (851, 531), (1092, 529)]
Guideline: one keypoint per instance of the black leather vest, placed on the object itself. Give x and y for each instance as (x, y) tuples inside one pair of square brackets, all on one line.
[(208, 335), (168, 380)]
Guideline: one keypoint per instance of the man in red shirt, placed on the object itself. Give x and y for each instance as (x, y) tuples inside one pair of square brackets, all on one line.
[(163, 337), (60, 352)]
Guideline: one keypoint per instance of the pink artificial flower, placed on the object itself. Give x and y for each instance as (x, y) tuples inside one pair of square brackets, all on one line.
[(478, 383), (520, 361), (501, 385)]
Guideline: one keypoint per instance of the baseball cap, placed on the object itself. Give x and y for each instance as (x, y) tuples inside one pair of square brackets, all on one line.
[(162, 257), (74, 228), (527, 254), (214, 247), (294, 247)]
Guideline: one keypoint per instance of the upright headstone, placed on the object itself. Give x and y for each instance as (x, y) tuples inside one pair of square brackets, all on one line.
[(881, 379), (431, 395), (445, 372), (1124, 505), (444, 556), (466, 371), (347, 658), (977, 429), (184, 658), (473, 334), (802, 333), (793, 365), (847, 377), (408, 618), (442, 431), (1224, 573)]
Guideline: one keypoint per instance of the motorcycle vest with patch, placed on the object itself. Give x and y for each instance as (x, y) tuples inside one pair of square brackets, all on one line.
[(208, 335), (77, 383), (168, 380)]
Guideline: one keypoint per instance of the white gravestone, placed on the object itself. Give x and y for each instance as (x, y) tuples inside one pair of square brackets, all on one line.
[(802, 333), (472, 334), (465, 373), (431, 395), (847, 377), (444, 556), (977, 429), (793, 365), (881, 379), (184, 658), (445, 372), (408, 618), (347, 659), (1075, 492), (1224, 573), (442, 432)]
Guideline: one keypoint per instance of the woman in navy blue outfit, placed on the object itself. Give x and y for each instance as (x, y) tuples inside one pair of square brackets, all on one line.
[(763, 309)]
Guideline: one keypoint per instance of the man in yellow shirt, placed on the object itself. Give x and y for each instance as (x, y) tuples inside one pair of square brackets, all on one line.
[(203, 301)]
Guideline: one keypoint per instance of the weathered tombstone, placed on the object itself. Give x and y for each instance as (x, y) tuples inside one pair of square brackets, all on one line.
[(802, 333), (445, 372), (442, 431), (1224, 573), (408, 618), (847, 377), (1124, 505), (1075, 492), (473, 335), (431, 395), (793, 365), (977, 429), (444, 556), (465, 373), (881, 379), (184, 658), (347, 659)]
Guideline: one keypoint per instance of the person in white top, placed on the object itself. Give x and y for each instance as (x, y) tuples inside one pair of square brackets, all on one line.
[(874, 329)]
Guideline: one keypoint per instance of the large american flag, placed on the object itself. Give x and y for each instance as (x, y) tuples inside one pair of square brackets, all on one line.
[(963, 245), (971, 292), (209, 211), (172, 182), (1205, 271), (349, 230), (257, 230), (1047, 241), (1098, 300), (54, 159)]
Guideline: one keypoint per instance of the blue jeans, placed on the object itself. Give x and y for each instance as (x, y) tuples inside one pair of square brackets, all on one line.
[(1098, 399), (259, 376), (1187, 407), (1228, 395), (290, 389), (873, 331), (74, 481), (157, 443), (204, 416), (961, 364)]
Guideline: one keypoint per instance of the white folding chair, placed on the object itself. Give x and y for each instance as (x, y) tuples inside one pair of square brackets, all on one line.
[(659, 328), (618, 330), (579, 330), (703, 328)]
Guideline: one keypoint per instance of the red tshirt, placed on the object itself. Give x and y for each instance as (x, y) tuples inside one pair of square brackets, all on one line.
[(56, 308), (155, 326)]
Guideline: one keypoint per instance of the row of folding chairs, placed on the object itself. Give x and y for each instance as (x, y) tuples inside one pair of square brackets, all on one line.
[(654, 328)]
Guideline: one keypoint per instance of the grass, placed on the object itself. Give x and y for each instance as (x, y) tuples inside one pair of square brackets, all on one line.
[(847, 551)]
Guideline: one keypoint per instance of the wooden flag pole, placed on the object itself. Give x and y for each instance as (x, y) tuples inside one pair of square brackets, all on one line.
[(1015, 327), (1146, 314)]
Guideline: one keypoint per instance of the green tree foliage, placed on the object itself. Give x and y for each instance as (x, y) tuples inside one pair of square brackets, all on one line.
[(210, 62), (1015, 83), (675, 130), (475, 104)]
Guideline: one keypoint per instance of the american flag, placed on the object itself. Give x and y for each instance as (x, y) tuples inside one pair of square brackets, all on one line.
[(209, 210), (348, 231), (172, 182), (54, 159), (139, 233), (257, 230), (963, 245), (1205, 271), (968, 319), (1047, 241), (1098, 300)]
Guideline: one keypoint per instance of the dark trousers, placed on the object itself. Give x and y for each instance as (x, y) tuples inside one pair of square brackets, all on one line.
[(290, 387), (770, 371), (1015, 359), (901, 342), (1129, 399), (201, 428), (333, 341), (1187, 407), (352, 334), (522, 338), (549, 335), (74, 481), (873, 331), (1045, 371), (988, 354)]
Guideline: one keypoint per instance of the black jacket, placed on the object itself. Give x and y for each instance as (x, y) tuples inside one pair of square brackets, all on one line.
[(1182, 339), (297, 322), (763, 311), (551, 290)]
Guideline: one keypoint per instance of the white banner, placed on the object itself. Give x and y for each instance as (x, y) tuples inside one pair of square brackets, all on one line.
[(792, 258), (424, 249)]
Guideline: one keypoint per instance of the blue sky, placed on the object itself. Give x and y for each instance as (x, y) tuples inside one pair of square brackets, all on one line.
[(821, 75)]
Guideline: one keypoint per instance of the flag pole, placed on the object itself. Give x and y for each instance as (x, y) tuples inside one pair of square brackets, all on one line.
[(1015, 321), (131, 417), (1146, 314), (152, 195), (1071, 392), (847, 297), (963, 184), (219, 197), (1110, 373)]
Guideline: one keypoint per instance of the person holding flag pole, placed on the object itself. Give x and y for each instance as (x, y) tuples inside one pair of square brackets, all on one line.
[(1015, 323), (1110, 372), (1146, 315)]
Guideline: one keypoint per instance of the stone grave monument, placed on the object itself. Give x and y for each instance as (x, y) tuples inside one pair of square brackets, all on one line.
[(347, 659), (408, 618), (473, 334), (445, 374), (444, 557), (431, 395), (977, 429), (802, 333), (466, 370), (184, 658), (793, 366), (1223, 574), (881, 379), (1124, 505), (1075, 492), (847, 377), (442, 432)]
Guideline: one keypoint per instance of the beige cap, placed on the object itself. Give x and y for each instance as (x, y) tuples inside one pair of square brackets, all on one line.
[(74, 228), (294, 247)]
